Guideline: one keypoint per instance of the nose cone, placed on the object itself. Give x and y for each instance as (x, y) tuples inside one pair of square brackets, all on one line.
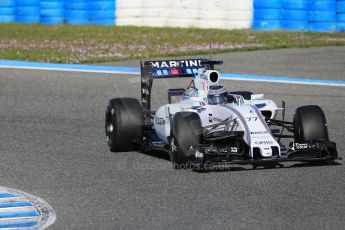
[(266, 151)]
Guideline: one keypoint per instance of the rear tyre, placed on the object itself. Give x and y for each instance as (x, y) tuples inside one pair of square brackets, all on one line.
[(310, 124), (186, 133), (124, 124)]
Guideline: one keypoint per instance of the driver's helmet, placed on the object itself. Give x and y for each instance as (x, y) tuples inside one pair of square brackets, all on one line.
[(217, 94)]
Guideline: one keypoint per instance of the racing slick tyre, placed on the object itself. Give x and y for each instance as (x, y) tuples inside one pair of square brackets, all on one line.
[(124, 124), (310, 124), (186, 132)]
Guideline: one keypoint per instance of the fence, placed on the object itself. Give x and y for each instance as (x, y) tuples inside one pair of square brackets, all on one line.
[(302, 15)]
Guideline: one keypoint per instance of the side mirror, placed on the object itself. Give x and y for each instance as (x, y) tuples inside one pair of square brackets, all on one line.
[(257, 96)]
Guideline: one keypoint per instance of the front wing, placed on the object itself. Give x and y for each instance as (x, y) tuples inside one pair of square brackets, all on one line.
[(318, 151)]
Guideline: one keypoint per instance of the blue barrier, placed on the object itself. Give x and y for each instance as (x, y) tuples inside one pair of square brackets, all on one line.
[(45, 13), (7, 11), (295, 25), (102, 5), (100, 12), (28, 2), (52, 12), (295, 15), (46, 4), (105, 22), (7, 3), (28, 11), (340, 15), (341, 26), (76, 5), (322, 5), (7, 19), (295, 4), (341, 6), (266, 25), (314, 15), (76, 12), (52, 20), (322, 26), (28, 19), (267, 14), (322, 15), (267, 4)]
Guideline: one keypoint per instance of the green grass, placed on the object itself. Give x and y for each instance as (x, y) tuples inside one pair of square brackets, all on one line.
[(89, 44)]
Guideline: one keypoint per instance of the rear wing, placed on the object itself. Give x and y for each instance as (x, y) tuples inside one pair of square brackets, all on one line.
[(161, 69)]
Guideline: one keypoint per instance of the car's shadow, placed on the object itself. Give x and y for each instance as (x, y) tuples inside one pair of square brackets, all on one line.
[(233, 167), (157, 154), (276, 166)]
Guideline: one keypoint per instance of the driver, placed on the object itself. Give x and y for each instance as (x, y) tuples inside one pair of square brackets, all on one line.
[(217, 94)]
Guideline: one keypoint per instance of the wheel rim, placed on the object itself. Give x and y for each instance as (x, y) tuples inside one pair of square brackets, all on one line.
[(172, 148), (110, 126), (298, 129)]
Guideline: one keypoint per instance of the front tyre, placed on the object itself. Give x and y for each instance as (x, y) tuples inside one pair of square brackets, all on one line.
[(310, 124), (186, 134), (124, 124)]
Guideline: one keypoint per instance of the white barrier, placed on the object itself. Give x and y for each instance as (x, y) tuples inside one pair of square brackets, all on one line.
[(239, 14), (223, 14), (155, 13), (129, 12), (184, 13)]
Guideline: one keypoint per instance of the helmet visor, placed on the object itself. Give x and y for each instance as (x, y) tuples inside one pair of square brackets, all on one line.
[(217, 99)]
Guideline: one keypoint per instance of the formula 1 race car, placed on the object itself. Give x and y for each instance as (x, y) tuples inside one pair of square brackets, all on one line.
[(210, 125)]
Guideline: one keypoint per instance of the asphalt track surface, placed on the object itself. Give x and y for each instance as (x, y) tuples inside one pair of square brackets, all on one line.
[(52, 145)]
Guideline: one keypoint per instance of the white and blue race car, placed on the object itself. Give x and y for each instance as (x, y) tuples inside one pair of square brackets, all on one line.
[(212, 126)]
